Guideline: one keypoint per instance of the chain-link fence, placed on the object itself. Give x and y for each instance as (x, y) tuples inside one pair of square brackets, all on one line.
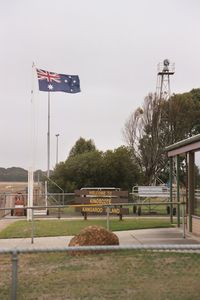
[(67, 210), (116, 272), (157, 206)]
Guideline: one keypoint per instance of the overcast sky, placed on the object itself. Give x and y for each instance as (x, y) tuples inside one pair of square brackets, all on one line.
[(113, 45)]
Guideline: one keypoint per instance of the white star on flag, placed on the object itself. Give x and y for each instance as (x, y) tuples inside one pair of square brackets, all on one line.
[(50, 87)]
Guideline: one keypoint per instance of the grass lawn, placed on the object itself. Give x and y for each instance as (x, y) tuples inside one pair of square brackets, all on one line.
[(22, 229), (137, 275)]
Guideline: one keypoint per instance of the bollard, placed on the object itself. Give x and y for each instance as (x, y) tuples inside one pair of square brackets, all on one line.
[(14, 275)]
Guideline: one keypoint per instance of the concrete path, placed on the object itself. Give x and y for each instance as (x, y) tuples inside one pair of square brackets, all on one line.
[(132, 237)]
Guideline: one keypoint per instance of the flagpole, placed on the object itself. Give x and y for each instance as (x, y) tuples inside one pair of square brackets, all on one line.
[(48, 151), (61, 83), (31, 168), (48, 138)]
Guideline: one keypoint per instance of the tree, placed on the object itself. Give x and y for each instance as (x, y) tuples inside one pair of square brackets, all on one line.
[(97, 169), (182, 113), (84, 170), (82, 146), (120, 170), (142, 133), (58, 176), (156, 125)]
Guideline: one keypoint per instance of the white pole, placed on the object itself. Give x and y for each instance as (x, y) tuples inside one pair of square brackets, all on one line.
[(57, 135), (46, 194), (28, 198), (30, 194), (48, 138), (30, 172)]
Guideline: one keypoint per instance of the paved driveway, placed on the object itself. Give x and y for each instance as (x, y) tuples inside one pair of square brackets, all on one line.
[(156, 236)]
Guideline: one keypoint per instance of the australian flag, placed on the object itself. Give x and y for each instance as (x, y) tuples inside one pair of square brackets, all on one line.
[(53, 82)]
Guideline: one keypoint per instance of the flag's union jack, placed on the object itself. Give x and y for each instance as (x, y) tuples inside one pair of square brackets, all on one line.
[(53, 82), (49, 76)]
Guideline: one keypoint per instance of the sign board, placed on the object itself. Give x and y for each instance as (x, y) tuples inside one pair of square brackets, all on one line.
[(92, 197), (103, 210), (98, 200), (101, 192)]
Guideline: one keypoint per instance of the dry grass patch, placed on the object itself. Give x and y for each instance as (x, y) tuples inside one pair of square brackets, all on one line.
[(128, 274)]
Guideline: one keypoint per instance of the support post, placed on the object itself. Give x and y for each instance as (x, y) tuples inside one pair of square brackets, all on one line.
[(178, 188), (63, 198), (190, 188), (48, 138), (59, 213), (171, 187), (120, 215), (46, 192), (85, 216), (14, 275), (108, 217), (183, 219)]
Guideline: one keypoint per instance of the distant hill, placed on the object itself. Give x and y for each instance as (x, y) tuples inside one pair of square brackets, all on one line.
[(18, 174)]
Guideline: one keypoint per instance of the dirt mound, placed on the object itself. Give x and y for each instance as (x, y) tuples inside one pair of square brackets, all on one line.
[(93, 236)]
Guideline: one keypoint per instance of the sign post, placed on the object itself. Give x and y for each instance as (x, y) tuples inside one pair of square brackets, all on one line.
[(108, 215)]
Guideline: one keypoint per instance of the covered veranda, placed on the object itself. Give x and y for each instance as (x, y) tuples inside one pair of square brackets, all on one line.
[(186, 153)]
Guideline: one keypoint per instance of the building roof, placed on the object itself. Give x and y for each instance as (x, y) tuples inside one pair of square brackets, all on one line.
[(187, 145)]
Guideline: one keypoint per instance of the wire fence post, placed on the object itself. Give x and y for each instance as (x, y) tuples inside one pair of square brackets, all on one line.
[(14, 275), (59, 213), (63, 198)]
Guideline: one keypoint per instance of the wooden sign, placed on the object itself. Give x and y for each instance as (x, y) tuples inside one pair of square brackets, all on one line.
[(99, 200), (103, 210), (101, 193), (93, 197)]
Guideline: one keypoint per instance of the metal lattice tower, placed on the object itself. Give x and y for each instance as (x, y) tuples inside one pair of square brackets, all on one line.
[(163, 92), (165, 70)]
